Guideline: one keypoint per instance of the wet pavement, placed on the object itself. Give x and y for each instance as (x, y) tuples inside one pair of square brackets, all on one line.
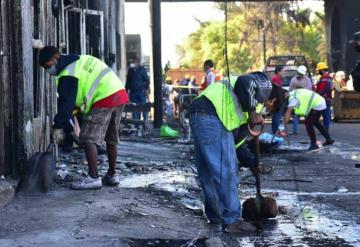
[(158, 202)]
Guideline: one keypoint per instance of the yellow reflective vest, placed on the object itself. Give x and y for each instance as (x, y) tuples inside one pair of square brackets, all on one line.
[(96, 80), (227, 106), (308, 100)]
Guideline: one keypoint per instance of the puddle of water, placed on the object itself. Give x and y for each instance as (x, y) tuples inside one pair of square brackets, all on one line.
[(174, 181), (320, 217), (166, 242), (305, 223)]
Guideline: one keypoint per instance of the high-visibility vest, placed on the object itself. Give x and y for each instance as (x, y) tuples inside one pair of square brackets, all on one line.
[(96, 80), (227, 105), (308, 100), (259, 109)]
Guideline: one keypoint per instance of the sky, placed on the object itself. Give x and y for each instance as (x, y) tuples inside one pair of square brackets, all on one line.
[(177, 20)]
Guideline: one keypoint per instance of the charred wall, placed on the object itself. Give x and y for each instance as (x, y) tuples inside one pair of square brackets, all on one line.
[(342, 20), (27, 93)]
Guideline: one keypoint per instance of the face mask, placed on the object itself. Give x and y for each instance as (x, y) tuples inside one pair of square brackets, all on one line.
[(132, 65), (52, 70), (357, 48)]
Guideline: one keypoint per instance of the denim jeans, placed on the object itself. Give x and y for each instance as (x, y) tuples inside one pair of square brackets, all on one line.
[(326, 114), (313, 119), (275, 123), (295, 123), (217, 168), (138, 98)]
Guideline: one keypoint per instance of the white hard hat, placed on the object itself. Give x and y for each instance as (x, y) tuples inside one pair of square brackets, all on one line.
[(302, 70)]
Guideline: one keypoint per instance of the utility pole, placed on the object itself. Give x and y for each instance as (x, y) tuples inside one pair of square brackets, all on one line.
[(265, 29), (155, 11)]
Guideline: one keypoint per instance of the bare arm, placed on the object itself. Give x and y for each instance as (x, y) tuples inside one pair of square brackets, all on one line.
[(288, 115)]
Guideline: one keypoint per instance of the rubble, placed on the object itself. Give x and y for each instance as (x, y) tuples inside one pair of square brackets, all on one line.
[(6, 193), (159, 196)]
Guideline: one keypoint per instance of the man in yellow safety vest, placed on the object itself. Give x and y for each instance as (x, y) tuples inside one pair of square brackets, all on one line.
[(310, 105), (223, 107), (86, 82)]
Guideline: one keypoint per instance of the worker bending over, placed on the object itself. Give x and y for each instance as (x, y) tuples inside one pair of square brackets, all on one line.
[(309, 104), (223, 107), (86, 82)]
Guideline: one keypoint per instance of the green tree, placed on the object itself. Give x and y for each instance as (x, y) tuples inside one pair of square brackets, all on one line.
[(288, 30)]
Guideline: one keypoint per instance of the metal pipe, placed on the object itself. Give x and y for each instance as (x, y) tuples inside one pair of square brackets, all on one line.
[(155, 8)]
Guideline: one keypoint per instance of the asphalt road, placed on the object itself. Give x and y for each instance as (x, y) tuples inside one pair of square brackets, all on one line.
[(158, 202)]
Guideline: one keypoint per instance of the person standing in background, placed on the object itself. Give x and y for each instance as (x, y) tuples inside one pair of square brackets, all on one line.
[(137, 85), (276, 98), (324, 87), (211, 75), (297, 82)]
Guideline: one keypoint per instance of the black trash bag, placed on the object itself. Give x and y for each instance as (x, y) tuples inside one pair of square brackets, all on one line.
[(39, 173)]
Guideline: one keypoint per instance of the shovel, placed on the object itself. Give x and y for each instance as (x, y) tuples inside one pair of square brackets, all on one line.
[(260, 207), (39, 173)]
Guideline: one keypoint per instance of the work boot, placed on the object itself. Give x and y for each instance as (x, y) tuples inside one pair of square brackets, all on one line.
[(328, 142), (87, 183), (313, 147), (240, 226), (111, 180)]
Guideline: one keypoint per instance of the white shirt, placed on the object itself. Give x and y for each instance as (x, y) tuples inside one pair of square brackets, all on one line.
[(210, 77), (294, 102)]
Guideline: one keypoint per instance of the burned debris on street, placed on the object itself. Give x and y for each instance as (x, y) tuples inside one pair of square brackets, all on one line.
[(179, 123)]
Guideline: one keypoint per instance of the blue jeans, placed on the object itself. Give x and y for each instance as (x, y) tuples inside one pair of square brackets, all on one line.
[(296, 123), (138, 98), (215, 159), (275, 123), (326, 114)]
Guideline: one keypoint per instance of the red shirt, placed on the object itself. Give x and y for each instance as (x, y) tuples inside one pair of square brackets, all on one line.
[(276, 79), (324, 86), (116, 99)]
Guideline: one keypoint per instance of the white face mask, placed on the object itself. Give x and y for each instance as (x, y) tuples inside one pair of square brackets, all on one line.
[(132, 65), (52, 70)]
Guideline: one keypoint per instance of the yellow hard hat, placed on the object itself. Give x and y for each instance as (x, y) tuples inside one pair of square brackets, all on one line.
[(168, 78), (321, 66), (187, 77)]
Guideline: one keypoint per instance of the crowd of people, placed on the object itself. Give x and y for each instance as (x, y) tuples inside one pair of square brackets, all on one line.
[(179, 94)]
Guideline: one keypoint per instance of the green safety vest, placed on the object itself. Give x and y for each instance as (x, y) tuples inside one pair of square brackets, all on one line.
[(308, 100), (227, 106), (96, 80)]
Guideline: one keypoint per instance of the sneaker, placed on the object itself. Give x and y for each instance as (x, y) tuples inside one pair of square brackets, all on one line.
[(240, 226), (87, 183), (313, 147), (282, 133), (111, 180), (328, 142), (294, 133)]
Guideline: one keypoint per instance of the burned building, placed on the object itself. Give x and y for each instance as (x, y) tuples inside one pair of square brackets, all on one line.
[(342, 20), (27, 93)]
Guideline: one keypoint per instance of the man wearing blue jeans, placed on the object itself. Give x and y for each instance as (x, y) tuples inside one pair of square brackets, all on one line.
[(137, 85), (223, 107), (324, 87)]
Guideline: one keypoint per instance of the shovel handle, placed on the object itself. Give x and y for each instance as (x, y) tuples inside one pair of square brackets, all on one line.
[(256, 133)]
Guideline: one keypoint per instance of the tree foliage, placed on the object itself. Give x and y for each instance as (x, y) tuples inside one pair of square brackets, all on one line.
[(288, 29)]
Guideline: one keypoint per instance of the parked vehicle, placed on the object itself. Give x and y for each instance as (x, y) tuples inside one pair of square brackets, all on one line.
[(290, 63)]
